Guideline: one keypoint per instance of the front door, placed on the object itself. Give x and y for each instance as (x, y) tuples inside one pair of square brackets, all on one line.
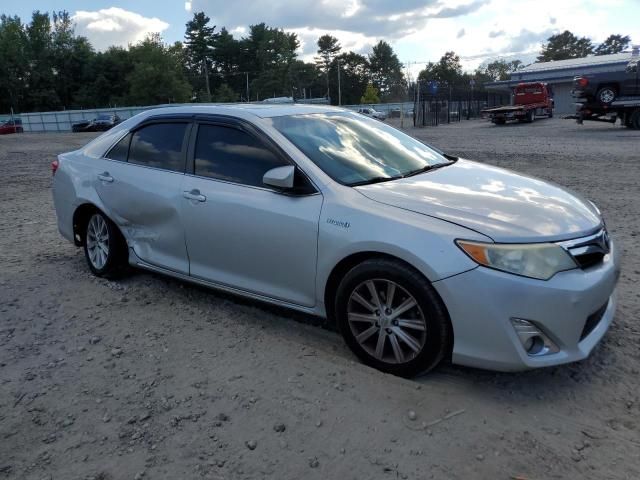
[(140, 185), (240, 233)]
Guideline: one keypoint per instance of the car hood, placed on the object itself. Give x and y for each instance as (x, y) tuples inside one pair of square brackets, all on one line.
[(504, 205)]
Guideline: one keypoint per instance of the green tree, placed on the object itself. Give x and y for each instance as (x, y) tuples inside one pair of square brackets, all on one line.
[(447, 70), (269, 54), (498, 70), (386, 72), (14, 62), (564, 46), (306, 80), (224, 94), (354, 77), (328, 48), (71, 56), (40, 82), (156, 77), (370, 95), (613, 44), (199, 40)]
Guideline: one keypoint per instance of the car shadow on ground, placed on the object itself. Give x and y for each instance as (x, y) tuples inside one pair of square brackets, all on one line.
[(325, 337)]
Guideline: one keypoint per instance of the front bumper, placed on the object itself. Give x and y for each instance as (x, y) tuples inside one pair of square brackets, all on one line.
[(482, 302)]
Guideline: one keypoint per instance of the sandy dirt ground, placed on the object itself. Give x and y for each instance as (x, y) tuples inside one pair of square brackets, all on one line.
[(149, 377)]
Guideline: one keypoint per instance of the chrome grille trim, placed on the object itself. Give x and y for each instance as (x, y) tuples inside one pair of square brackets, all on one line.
[(588, 251)]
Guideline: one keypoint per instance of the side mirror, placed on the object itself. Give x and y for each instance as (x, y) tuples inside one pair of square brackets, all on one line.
[(280, 177)]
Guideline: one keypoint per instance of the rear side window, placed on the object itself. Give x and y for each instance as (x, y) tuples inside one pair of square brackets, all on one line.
[(233, 155), (120, 150), (159, 145)]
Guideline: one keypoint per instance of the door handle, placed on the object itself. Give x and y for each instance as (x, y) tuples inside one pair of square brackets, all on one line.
[(105, 177), (194, 195)]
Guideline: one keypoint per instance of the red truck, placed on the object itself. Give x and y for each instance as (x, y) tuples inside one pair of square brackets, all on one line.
[(529, 101)]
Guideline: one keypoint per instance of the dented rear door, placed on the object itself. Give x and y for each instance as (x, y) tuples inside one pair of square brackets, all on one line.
[(143, 194)]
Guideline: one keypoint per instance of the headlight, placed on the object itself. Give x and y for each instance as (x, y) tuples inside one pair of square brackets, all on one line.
[(536, 260)]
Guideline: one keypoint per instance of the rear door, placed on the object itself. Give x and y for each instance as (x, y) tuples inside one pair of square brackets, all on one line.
[(630, 85), (240, 233), (140, 185)]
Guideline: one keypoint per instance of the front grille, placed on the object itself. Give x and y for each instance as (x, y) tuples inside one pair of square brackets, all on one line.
[(589, 251), (587, 260), (593, 320)]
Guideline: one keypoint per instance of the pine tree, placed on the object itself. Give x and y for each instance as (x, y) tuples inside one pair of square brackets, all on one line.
[(199, 40)]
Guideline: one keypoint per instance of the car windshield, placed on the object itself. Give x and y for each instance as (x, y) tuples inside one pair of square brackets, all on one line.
[(355, 150)]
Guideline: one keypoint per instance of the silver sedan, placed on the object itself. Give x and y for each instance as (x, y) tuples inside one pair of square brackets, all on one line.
[(416, 255)]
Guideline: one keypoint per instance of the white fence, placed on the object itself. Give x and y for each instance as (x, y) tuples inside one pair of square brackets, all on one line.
[(62, 121)]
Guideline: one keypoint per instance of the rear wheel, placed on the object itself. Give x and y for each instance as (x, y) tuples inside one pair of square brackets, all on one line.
[(499, 121), (392, 318), (606, 95), (104, 247)]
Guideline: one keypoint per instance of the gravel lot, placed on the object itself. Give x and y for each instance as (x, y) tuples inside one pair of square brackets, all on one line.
[(149, 377)]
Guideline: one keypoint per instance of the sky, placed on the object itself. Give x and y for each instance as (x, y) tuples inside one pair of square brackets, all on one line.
[(419, 30)]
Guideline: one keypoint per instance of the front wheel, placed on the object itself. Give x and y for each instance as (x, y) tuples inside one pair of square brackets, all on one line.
[(392, 318), (104, 247), (531, 116)]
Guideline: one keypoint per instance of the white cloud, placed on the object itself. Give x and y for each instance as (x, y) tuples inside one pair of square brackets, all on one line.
[(115, 26), (423, 30), (187, 5)]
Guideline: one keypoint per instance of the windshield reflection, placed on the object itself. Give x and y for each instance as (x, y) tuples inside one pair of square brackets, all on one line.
[(353, 149)]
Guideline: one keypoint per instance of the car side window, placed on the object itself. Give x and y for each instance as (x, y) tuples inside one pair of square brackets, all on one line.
[(159, 145), (120, 151), (233, 155)]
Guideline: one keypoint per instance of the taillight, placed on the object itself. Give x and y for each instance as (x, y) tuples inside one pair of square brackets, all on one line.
[(54, 166), (582, 82)]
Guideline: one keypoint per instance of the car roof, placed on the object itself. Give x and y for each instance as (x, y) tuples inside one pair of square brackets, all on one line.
[(237, 109)]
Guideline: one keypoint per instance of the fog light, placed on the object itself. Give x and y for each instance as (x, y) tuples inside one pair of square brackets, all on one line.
[(533, 340)]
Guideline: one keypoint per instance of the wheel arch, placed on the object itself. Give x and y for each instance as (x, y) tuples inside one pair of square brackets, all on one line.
[(347, 263), (81, 217)]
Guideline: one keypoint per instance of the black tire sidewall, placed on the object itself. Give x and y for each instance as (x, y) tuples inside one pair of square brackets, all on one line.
[(438, 324), (114, 258)]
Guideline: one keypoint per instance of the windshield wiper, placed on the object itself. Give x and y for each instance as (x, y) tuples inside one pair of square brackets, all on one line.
[(373, 180), (427, 168)]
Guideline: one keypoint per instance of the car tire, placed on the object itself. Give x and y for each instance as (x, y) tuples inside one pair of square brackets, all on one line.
[(531, 116), (606, 95), (499, 121), (551, 113), (105, 249), (406, 346)]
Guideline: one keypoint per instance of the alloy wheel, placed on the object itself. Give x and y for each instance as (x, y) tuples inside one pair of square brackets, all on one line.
[(607, 96), (98, 241), (386, 321)]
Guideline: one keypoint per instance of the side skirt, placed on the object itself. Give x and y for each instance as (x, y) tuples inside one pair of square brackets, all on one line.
[(137, 262)]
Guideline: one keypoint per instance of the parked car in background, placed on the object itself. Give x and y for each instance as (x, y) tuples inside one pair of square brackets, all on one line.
[(101, 123), (11, 126), (416, 255), (373, 113), (606, 87)]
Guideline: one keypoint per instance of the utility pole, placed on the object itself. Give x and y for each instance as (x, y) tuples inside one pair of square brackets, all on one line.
[(339, 89), (248, 99)]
